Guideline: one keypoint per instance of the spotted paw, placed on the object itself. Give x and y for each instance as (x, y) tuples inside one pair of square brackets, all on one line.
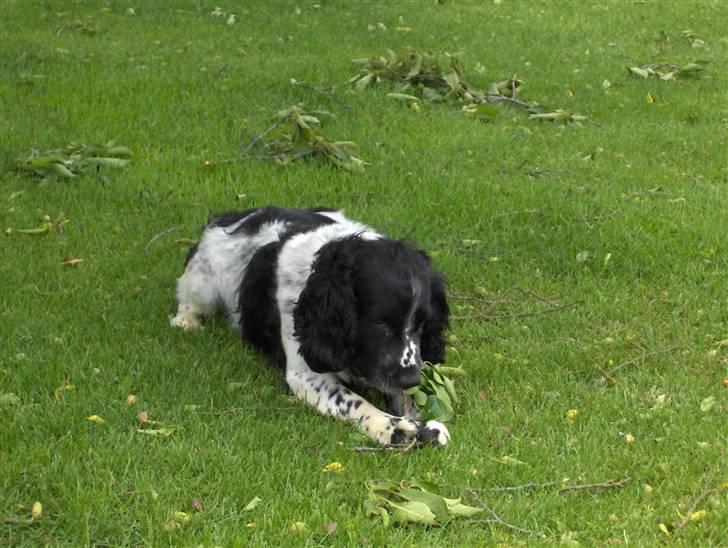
[(433, 432), (404, 431)]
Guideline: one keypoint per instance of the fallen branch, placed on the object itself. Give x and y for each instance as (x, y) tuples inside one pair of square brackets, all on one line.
[(611, 484), (496, 518), (707, 490), (603, 485), (404, 448), (499, 317), (156, 237), (642, 358)]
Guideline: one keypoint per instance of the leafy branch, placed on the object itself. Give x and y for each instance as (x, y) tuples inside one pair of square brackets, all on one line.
[(414, 501), (299, 137), (74, 158), (435, 396), (669, 71), (421, 77)]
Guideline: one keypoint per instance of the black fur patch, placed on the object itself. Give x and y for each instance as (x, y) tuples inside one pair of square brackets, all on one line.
[(298, 220)]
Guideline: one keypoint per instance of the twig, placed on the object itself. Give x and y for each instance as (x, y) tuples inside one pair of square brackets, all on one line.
[(251, 408), (607, 375), (529, 485), (499, 317), (496, 518), (260, 136), (603, 485), (156, 237), (707, 490), (497, 98), (402, 449), (565, 489), (286, 155), (642, 358)]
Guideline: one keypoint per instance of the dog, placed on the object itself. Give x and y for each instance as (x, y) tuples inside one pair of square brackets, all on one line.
[(340, 307)]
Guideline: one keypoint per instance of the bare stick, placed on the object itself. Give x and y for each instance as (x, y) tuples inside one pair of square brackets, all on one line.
[(156, 237), (567, 488), (260, 136), (707, 490), (496, 518), (497, 98), (603, 485), (499, 317), (405, 448), (643, 357), (250, 408), (525, 486)]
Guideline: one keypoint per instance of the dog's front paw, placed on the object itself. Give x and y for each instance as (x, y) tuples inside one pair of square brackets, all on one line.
[(433, 432)]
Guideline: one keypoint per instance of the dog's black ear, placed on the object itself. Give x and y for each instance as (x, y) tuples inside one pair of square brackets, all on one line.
[(325, 316), (432, 345)]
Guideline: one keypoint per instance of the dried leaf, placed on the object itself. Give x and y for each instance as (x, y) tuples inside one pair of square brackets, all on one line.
[(254, 502)]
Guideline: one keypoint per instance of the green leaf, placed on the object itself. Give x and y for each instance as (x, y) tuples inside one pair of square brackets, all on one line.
[(420, 398), (450, 387), (452, 79), (254, 502), (458, 509), (363, 82), (61, 170), (413, 512), (403, 97), (434, 502), (639, 71), (385, 516), (110, 162), (450, 371)]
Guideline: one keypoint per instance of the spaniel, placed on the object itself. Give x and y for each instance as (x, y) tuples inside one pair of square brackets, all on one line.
[(340, 307)]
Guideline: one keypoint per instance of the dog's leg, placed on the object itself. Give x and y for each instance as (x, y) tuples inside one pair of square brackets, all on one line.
[(327, 393), (196, 295)]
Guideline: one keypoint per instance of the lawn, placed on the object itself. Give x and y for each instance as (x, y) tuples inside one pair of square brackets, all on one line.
[(587, 267)]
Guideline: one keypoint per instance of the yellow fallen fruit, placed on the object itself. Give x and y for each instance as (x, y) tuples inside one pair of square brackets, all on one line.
[(37, 510)]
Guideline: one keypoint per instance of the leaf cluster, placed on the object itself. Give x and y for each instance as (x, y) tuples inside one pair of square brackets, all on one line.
[(74, 158), (669, 71), (424, 77), (415, 501), (299, 136), (435, 396)]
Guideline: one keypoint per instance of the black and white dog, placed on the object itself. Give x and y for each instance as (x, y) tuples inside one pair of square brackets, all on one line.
[(333, 302)]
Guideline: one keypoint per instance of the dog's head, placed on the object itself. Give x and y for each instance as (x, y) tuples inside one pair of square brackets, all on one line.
[(374, 307)]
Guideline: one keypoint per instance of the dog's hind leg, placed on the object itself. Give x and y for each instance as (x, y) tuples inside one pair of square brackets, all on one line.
[(196, 294)]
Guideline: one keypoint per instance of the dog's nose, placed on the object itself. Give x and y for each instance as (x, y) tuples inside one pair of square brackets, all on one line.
[(407, 377)]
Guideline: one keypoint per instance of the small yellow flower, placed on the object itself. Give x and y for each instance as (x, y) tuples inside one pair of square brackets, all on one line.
[(571, 414), (629, 438), (95, 419)]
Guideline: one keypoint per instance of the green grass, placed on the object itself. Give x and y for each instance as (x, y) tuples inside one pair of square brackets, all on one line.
[(179, 86)]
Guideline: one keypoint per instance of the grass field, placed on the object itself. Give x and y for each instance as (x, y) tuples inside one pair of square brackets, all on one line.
[(587, 265)]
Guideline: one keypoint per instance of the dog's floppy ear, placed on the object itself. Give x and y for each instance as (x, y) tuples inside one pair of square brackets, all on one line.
[(432, 345), (325, 316)]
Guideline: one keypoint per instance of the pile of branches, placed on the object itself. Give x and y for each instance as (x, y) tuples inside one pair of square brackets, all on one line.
[(418, 77)]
